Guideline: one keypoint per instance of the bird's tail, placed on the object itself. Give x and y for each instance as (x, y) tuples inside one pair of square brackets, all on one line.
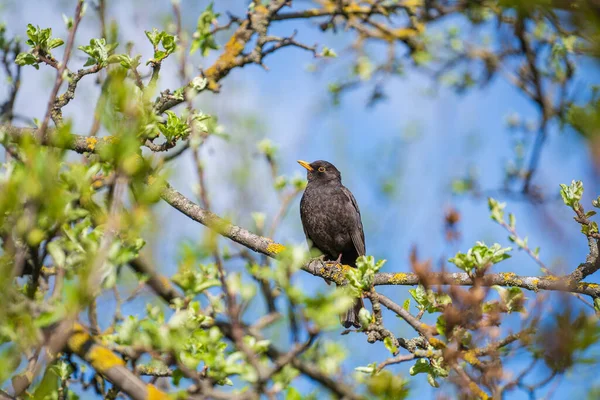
[(350, 317)]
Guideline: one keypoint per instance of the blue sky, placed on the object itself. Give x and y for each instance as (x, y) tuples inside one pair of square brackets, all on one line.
[(369, 145)]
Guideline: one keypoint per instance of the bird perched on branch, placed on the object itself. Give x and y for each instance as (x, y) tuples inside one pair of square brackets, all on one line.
[(331, 221)]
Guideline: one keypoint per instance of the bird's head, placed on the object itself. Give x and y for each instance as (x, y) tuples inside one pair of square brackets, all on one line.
[(321, 171)]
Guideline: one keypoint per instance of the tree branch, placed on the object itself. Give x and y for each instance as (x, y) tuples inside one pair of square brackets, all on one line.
[(336, 272), (110, 365), (62, 67), (332, 272)]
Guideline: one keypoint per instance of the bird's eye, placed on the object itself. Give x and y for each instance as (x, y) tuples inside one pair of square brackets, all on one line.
[(321, 169)]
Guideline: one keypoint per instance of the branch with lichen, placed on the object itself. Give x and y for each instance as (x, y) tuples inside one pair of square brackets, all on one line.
[(110, 365), (336, 273), (332, 272)]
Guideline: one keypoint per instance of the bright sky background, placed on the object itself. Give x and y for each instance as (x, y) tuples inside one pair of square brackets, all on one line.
[(416, 140)]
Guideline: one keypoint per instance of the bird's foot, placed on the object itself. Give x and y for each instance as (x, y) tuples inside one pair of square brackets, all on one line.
[(321, 259)]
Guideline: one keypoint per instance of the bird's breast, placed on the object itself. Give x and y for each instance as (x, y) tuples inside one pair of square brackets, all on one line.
[(325, 218)]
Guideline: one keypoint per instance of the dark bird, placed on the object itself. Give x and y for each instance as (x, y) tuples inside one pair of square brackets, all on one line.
[(331, 221)]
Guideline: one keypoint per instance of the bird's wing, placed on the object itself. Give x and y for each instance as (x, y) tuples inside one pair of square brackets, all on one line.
[(308, 239), (356, 231)]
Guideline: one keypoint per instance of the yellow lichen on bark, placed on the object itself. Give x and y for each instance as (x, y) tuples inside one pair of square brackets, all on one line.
[(399, 279), (584, 286), (470, 357), (91, 143), (476, 390), (435, 342), (404, 33), (103, 359), (338, 272), (353, 8), (275, 248), (508, 275), (165, 282), (156, 394), (413, 3), (261, 9), (233, 48), (78, 339)]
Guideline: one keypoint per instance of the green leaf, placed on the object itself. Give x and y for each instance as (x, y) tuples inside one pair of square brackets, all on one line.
[(27, 59), (268, 148), (512, 298), (280, 183), (512, 220), (389, 344), (497, 209), (98, 51), (420, 366), (480, 257), (406, 304), (49, 384), (10, 358), (40, 40), (177, 376), (203, 40), (572, 194), (174, 127), (125, 60), (154, 36), (364, 68), (324, 308), (429, 300), (361, 278), (327, 52), (440, 325), (68, 21), (431, 380), (364, 317), (569, 42), (293, 394), (386, 386), (422, 57), (369, 369), (433, 369), (48, 318), (53, 43), (194, 279), (168, 42)]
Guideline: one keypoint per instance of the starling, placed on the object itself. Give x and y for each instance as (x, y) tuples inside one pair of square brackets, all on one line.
[(331, 221)]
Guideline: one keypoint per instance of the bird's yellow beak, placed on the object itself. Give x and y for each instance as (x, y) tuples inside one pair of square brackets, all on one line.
[(305, 165)]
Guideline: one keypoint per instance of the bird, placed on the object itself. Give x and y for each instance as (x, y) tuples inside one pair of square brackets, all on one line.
[(332, 224)]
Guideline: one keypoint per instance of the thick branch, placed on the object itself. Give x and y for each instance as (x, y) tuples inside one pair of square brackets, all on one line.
[(591, 264), (336, 273), (333, 10), (77, 143), (111, 366)]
